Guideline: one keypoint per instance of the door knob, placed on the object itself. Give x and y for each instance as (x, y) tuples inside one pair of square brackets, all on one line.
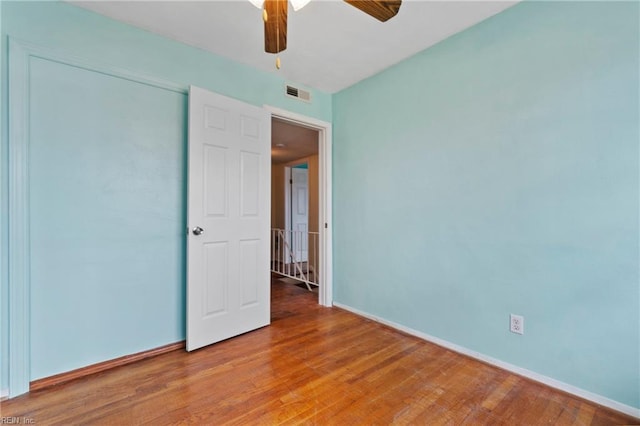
[(197, 230)]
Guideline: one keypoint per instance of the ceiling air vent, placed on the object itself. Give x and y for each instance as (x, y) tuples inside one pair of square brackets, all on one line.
[(294, 92)]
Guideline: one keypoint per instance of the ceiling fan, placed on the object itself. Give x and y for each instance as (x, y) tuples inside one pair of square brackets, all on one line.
[(274, 14)]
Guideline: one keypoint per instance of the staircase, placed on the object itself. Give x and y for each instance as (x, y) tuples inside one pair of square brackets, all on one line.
[(294, 254)]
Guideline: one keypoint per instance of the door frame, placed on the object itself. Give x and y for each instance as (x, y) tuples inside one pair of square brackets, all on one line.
[(325, 293)]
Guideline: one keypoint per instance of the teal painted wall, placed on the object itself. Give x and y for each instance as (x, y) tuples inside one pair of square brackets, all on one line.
[(497, 173), (106, 189), (107, 174)]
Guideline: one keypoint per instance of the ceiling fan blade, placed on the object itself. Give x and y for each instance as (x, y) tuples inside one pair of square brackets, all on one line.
[(382, 10), (275, 27)]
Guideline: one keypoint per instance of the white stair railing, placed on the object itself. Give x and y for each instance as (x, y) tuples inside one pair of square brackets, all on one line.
[(294, 254)]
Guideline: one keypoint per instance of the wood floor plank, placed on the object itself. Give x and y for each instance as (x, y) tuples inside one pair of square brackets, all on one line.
[(312, 365), (499, 393)]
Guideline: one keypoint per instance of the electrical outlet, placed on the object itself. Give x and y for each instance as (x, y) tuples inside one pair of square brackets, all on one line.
[(516, 324)]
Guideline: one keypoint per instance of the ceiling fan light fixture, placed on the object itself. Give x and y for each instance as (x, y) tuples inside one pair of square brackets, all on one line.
[(297, 4), (274, 15)]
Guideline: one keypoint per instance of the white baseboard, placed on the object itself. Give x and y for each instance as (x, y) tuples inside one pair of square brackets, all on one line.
[(590, 396), (4, 393)]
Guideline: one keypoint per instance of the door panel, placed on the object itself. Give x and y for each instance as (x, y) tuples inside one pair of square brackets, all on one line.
[(250, 176), (229, 190), (216, 279), (215, 181), (250, 273)]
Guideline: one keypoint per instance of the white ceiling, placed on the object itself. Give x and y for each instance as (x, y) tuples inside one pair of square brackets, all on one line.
[(331, 45)]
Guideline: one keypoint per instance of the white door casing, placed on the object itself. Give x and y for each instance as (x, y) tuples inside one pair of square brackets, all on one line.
[(324, 128), (228, 282)]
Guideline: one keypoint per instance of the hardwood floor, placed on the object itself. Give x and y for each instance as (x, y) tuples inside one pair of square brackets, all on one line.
[(313, 365)]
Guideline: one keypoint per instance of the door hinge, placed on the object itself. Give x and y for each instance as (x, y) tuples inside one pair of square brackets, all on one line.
[(326, 225)]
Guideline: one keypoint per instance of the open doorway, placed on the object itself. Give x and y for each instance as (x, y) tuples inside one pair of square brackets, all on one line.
[(300, 202), (294, 203)]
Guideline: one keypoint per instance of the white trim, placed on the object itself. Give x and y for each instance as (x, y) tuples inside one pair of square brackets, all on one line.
[(325, 296), (20, 55), (4, 393), (287, 207), (18, 221), (565, 387), (326, 212)]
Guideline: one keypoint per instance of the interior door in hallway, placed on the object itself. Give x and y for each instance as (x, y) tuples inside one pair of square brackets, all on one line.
[(300, 212), (228, 288)]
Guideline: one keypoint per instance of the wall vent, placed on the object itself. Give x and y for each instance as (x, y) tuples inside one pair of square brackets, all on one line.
[(294, 92)]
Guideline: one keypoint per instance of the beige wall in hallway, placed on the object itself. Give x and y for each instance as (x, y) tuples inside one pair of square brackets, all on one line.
[(277, 196)]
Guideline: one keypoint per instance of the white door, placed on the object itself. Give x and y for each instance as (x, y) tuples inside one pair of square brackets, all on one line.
[(299, 212), (228, 287)]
